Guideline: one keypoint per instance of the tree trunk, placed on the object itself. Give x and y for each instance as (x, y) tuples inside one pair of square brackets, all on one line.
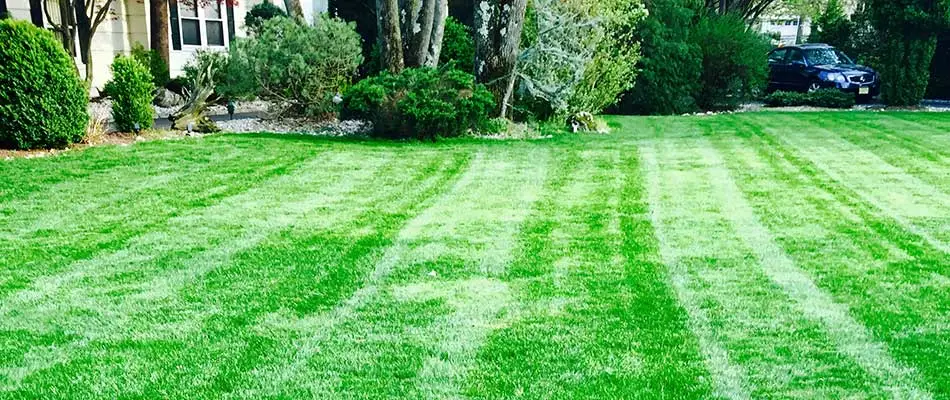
[(294, 9), (420, 28), (159, 28), (498, 26), (391, 37), (438, 33), (799, 35)]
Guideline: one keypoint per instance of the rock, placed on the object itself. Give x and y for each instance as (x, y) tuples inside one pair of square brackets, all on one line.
[(168, 99)]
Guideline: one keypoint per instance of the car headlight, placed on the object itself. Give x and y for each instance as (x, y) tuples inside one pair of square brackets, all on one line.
[(835, 77)]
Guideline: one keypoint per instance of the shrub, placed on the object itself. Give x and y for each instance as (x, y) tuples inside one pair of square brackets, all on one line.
[(733, 70), (908, 33), (833, 27), (830, 98), (156, 66), (786, 99), (260, 13), (218, 63), (826, 98), (672, 62), (132, 93), (458, 46), (420, 103), (42, 100), (300, 66)]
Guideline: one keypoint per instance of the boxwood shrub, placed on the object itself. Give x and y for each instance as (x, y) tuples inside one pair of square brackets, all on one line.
[(132, 93), (42, 100), (420, 103)]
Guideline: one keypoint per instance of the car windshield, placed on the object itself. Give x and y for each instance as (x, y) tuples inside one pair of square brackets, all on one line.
[(826, 56)]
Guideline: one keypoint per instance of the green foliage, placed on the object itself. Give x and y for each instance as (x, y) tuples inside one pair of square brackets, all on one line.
[(672, 62), (156, 66), (579, 56), (908, 40), (420, 103), (300, 66), (939, 87), (260, 13), (132, 93), (786, 99), (42, 100), (826, 98), (458, 46), (733, 62), (833, 27), (865, 40), (225, 85)]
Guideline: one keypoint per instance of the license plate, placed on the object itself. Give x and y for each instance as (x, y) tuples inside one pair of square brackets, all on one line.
[(864, 90)]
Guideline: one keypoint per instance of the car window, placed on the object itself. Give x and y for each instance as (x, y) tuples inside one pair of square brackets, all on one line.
[(795, 55), (777, 56), (826, 56)]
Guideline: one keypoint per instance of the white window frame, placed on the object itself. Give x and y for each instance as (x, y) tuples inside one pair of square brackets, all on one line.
[(203, 24)]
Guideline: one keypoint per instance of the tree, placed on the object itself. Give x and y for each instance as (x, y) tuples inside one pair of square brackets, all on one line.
[(908, 31), (749, 10), (158, 18), (293, 8), (498, 27), (84, 18), (411, 32), (833, 27)]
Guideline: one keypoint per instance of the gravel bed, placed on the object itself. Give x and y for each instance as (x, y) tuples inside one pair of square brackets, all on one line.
[(102, 109), (297, 126)]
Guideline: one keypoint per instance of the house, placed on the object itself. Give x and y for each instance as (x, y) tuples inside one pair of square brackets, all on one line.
[(194, 25), (786, 28)]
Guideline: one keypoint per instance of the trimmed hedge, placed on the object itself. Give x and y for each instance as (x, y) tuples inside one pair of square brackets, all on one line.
[(132, 94), (42, 100), (826, 98), (420, 103)]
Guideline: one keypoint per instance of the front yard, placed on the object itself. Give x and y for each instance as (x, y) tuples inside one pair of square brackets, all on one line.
[(762, 255)]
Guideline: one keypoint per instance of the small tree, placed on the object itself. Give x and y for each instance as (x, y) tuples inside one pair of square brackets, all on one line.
[(132, 93), (833, 27), (908, 30), (84, 18)]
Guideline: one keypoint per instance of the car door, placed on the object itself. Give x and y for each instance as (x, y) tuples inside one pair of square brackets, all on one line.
[(776, 68), (796, 70)]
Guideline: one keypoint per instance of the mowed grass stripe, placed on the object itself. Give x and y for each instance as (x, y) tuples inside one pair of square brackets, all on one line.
[(109, 226), (155, 266), (757, 343), (922, 208), (293, 271), (881, 138), (893, 281), (357, 347), (850, 336), (596, 319)]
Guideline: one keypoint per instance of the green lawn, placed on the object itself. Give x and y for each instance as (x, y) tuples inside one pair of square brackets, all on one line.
[(761, 255)]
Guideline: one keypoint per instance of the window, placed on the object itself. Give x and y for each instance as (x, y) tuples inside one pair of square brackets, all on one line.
[(201, 26), (777, 56), (190, 23), (214, 24), (795, 55)]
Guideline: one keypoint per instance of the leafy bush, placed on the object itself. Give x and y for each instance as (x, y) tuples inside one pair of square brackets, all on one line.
[(420, 103), (260, 13), (833, 27), (672, 62), (733, 68), (218, 63), (579, 55), (908, 33), (458, 46), (830, 98), (132, 93), (939, 87), (826, 98), (42, 100), (300, 66), (156, 66), (786, 99)]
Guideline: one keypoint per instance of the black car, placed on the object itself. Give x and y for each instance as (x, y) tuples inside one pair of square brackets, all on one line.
[(810, 67)]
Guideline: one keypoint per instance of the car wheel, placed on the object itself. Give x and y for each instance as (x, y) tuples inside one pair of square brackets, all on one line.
[(813, 87)]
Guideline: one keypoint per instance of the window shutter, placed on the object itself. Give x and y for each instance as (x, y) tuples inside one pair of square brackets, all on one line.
[(173, 20), (36, 13), (230, 21), (3, 8)]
